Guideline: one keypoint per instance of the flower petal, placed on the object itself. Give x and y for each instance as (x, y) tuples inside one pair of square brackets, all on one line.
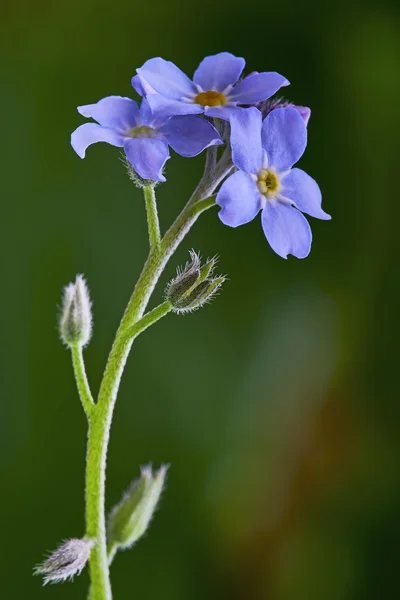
[(284, 137), (218, 71), (304, 111), (163, 107), (246, 139), (304, 192), (115, 112), (189, 135), (239, 199), (90, 133), (167, 79), (221, 112), (141, 86), (148, 156), (148, 118), (286, 230), (257, 87)]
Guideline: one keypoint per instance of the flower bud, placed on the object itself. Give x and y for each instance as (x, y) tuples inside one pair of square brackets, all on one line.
[(129, 519), (76, 314), (185, 279), (194, 285), (65, 562), (271, 104)]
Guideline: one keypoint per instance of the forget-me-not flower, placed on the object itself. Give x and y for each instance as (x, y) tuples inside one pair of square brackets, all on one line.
[(215, 89), (145, 138), (264, 152)]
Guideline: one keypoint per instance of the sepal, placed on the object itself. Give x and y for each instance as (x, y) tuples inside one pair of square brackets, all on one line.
[(194, 285), (65, 562), (129, 520)]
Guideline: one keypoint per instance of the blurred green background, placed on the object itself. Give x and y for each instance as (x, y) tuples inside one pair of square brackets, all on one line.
[(278, 405)]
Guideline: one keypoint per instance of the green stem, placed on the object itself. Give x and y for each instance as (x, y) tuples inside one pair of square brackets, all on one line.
[(151, 317), (211, 160), (156, 261), (81, 379), (98, 437), (130, 327), (112, 550), (152, 217)]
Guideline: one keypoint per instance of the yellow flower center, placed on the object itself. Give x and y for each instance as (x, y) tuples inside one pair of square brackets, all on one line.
[(210, 98), (268, 182), (141, 132)]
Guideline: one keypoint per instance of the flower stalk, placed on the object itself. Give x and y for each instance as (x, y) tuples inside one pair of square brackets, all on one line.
[(152, 217), (263, 139), (132, 324), (82, 380)]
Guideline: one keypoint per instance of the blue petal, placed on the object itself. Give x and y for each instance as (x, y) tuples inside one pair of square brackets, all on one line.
[(304, 192), (163, 107), (115, 112), (239, 199), (284, 137), (304, 111), (246, 139), (167, 79), (286, 230), (141, 87), (147, 117), (189, 135), (221, 112), (90, 133), (148, 156), (257, 87), (218, 71)]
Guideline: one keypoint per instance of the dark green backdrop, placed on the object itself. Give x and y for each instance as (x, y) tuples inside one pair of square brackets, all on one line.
[(278, 405)]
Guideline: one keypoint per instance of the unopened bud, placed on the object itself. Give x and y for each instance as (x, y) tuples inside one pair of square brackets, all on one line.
[(269, 105), (194, 285), (76, 314), (129, 519), (185, 278), (65, 562)]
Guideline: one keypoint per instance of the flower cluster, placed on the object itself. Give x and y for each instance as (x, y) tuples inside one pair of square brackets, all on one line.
[(267, 137)]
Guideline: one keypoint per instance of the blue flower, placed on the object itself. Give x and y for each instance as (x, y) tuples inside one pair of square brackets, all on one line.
[(144, 138), (215, 89), (264, 152)]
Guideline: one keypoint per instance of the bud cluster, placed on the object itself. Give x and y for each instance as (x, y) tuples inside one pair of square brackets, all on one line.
[(194, 285)]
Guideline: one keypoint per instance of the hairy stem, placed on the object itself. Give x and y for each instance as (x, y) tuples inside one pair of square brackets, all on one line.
[(99, 430), (81, 379), (152, 217), (131, 325)]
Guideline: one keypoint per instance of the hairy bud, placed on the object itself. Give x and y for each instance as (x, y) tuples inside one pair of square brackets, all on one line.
[(76, 314), (271, 104), (129, 519), (194, 285), (65, 562)]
